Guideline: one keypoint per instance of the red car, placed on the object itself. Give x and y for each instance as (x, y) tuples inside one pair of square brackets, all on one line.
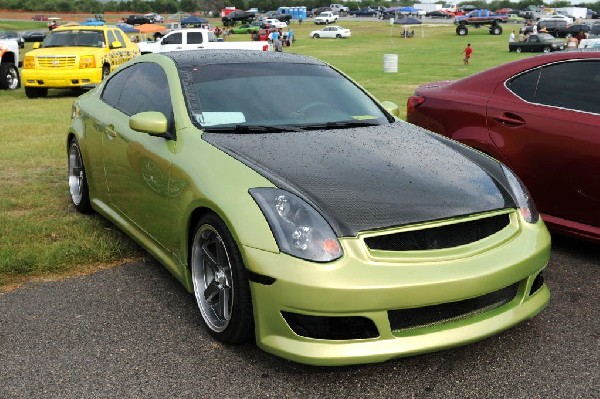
[(538, 115)]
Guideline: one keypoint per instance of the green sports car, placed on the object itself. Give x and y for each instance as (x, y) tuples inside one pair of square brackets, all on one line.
[(245, 28), (314, 221)]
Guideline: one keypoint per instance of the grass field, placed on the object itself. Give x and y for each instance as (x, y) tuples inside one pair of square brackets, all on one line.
[(42, 235)]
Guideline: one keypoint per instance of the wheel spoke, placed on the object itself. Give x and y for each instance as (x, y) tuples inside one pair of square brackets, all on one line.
[(211, 291), (208, 254), (223, 310)]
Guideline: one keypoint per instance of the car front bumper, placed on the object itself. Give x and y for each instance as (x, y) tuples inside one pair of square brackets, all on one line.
[(60, 79), (367, 287)]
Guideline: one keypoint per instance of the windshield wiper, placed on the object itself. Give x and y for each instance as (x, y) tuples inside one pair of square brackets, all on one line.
[(340, 125), (252, 129)]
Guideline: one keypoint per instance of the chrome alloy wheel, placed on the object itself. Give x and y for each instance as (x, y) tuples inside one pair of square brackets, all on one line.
[(76, 174), (212, 278)]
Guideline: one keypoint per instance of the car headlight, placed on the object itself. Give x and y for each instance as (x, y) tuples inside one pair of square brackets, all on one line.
[(298, 228), (521, 196)]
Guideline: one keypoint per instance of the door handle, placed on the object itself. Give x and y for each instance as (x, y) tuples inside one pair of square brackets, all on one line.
[(110, 132), (510, 120)]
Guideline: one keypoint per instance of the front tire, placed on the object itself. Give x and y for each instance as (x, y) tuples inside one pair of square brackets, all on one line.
[(9, 77), (547, 49), (35, 92), (518, 49), (462, 30), (316, 36), (78, 185), (221, 282)]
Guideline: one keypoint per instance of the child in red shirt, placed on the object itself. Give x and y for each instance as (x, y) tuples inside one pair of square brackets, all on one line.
[(467, 52)]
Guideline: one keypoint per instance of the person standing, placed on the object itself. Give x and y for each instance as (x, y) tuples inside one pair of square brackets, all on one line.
[(511, 37), (467, 51)]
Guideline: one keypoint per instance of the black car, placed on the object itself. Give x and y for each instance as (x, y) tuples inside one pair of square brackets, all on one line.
[(137, 20), (573, 30), (363, 12), (438, 14), (7, 35), (33, 36)]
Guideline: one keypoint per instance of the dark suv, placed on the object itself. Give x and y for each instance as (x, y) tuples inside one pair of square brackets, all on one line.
[(573, 30), (137, 20), (550, 27), (238, 16)]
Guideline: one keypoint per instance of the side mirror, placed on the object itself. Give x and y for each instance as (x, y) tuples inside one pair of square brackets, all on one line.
[(115, 44), (37, 45), (391, 107), (153, 123)]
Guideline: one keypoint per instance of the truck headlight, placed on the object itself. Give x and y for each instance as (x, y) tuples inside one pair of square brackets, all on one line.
[(298, 228), (87, 61), (29, 62)]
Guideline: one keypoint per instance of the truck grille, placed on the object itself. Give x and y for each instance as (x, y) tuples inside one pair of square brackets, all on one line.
[(57, 61), (448, 236)]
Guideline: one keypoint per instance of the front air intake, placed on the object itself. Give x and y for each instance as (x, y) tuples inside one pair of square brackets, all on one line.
[(448, 236)]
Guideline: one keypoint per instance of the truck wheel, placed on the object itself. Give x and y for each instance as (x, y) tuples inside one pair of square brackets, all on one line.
[(518, 49), (462, 30), (496, 30), (35, 92), (547, 49), (9, 77), (105, 71)]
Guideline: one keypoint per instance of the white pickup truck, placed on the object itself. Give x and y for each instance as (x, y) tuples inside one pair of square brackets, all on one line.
[(326, 17), (195, 39), (9, 64)]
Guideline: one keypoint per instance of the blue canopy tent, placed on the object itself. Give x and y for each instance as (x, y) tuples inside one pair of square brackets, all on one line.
[(193, 21), (127, 28)]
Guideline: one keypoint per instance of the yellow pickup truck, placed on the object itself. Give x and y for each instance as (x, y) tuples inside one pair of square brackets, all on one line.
[(74, 56)]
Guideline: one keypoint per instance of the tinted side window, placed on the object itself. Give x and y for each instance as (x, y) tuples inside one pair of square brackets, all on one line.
[(525, 84), (145, 88), (573, 85), (113, 89), (175, 38), (194, 37), (111, 37), (120, 38)]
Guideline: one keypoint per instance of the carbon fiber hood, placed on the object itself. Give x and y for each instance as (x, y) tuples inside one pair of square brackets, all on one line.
[(374, 177)]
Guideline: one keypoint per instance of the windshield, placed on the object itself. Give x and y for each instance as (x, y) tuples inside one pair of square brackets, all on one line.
[(276, 97), (75, 38)]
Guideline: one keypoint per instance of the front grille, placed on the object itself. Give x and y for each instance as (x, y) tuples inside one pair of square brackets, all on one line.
[(430, 315), (332, 328), (448, 236), (57, 61)]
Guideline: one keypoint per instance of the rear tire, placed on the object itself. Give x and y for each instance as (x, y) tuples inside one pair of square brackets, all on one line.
[(9, 77), (547, 49), (78, 185), (316, 36), (105, 71), (518, 49)]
